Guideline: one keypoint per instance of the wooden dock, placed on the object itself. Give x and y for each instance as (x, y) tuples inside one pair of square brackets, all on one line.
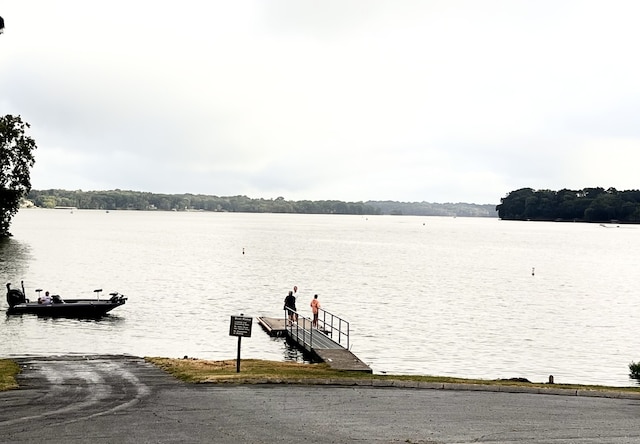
[(273, 326), (315, 341)]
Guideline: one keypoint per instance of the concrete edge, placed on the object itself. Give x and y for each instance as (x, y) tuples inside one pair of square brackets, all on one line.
[(419, 385)]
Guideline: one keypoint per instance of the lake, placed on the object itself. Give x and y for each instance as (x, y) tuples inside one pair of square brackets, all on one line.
[(467, 297)]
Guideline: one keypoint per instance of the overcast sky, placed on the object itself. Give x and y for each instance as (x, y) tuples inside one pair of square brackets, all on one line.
[(437, 101)]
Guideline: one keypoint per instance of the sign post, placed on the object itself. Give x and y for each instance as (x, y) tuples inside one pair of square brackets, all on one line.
[(240, 327)]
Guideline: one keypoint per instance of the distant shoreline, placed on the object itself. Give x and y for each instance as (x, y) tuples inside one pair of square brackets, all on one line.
[(138, 200)]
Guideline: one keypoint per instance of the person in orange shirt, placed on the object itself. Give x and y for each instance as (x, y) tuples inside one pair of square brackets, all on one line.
[(315, 307)]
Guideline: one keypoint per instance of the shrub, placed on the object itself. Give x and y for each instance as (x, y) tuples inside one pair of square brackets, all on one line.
[(634, 368)]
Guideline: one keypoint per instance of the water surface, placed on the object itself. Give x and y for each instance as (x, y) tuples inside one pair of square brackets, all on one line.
[(423, 295)]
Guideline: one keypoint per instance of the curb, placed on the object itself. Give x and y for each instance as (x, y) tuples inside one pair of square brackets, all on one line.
[(394, 383)]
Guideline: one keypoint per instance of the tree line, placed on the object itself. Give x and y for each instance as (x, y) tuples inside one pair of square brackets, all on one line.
[(586, 205), (16, 160), (138, 200)]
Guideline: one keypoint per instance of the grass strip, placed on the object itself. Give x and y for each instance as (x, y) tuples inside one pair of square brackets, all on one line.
[(255, 370), (8, 371)]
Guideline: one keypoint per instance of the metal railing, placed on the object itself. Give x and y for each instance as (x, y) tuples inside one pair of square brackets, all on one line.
[(329, 325), (333, 326)]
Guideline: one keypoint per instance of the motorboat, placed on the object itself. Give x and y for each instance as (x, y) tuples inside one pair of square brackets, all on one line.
[(56, 306)]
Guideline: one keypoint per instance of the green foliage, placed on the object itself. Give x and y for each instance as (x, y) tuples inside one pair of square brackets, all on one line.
[(634, 369), (16, 156), (586, 205), (137, 200)]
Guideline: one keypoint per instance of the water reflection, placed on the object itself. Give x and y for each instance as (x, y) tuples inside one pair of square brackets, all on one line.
[(43, 335), (14, 258), (105, 321), (293, 354)]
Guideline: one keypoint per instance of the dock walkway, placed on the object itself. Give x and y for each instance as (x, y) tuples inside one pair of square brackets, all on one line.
[(319, 342)]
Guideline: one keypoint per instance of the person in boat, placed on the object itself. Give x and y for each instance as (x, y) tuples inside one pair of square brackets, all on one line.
[(290, 306), (45, 300), (315, 308)]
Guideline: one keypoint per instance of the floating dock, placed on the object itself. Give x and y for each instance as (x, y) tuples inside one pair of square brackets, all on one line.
[(273, 326), (319, 341)]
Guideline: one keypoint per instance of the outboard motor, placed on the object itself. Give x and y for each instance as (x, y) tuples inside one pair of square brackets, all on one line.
[(117, 298), (14, 296)]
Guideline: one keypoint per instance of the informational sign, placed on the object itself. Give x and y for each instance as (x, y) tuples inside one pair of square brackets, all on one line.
[(240, 326)]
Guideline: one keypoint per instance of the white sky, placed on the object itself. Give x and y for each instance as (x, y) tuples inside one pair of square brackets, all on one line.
[(437, 101)]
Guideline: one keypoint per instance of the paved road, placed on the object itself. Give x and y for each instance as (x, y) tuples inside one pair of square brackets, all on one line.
[(125, 400)]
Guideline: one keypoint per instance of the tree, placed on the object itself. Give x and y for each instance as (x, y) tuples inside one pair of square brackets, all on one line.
[(514, 205), (16, 158)]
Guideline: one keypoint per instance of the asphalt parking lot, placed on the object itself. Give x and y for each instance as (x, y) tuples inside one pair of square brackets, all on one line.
[(123, 399)]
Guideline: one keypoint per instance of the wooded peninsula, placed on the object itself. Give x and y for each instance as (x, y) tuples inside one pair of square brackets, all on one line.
[(586, 205), (137, 200)]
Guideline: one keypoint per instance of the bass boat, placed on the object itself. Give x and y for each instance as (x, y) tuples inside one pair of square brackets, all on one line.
[(55, 306)]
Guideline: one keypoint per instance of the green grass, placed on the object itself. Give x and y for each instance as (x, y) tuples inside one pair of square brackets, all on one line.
[(8, 372), (254, 370), (198, 370)]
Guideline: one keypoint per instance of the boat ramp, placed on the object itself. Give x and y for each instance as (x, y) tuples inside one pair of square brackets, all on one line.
[(327, 342)]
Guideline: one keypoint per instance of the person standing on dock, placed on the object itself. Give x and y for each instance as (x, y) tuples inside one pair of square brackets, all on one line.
[(295, 298), (315, 308), (290, 306)]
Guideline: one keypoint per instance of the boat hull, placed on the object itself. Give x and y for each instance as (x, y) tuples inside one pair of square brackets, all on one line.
[(55, 306), (78, 308)]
